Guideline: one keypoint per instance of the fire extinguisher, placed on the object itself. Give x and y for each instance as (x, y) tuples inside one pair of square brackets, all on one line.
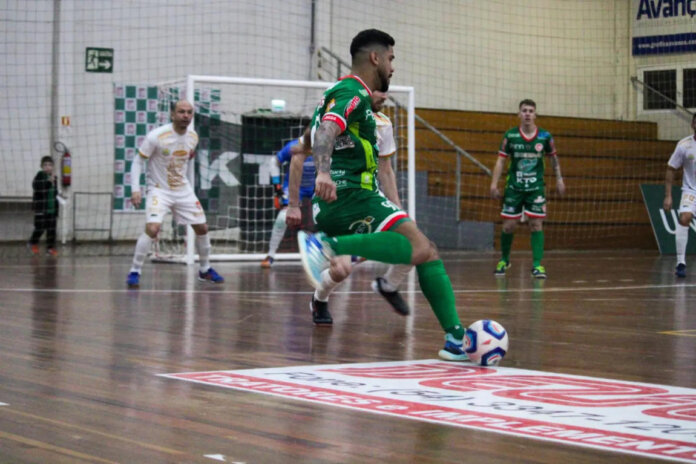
[(66, 169), (65, 164)]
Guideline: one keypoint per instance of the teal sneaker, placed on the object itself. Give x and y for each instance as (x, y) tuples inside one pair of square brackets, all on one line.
[(453, 349)]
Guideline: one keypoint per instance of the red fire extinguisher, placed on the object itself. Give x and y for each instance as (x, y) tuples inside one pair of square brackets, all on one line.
[(65, 164), (66, 169)]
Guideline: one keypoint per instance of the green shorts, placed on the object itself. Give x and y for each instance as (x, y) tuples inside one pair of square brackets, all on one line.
[(531, 203), (357, 211)]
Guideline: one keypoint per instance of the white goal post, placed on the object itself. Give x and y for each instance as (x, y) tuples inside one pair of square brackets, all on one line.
[(406, 102)]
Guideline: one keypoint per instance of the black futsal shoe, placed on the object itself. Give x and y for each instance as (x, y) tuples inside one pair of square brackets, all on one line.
[(393, 298), (320, 312)]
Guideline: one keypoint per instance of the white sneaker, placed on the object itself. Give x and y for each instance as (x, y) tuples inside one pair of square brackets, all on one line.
[(315, 254)]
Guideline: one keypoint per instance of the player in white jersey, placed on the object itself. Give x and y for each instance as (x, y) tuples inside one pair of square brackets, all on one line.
[(169, 151), (684, 156), (341, 266)]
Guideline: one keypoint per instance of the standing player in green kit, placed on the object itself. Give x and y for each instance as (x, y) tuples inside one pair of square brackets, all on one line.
[(352, 215), (526, 146)]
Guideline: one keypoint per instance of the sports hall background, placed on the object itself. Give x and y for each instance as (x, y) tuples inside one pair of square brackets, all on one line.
[(470, 63)]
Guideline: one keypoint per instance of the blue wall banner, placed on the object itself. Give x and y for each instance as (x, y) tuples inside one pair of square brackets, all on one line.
[(662, 44), (663, 26)]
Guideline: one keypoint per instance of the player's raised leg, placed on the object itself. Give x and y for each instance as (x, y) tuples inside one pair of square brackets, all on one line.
[(407, 245)]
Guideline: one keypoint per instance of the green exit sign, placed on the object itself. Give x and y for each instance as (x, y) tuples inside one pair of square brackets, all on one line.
[(99, 60)]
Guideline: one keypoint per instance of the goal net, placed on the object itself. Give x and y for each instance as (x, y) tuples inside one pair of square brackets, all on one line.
[(242, 123), (96, 77)]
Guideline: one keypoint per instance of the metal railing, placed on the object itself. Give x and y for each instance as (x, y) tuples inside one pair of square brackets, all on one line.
[(635, 80)]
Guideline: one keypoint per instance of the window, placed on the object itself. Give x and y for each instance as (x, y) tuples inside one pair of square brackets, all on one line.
[(664, 82), (689, 86)]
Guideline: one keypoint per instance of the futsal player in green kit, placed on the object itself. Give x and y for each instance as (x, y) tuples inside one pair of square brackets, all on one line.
[(352, 215), (526, 146)]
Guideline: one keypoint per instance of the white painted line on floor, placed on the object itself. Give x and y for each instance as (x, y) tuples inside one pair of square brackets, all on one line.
[(221, 291)]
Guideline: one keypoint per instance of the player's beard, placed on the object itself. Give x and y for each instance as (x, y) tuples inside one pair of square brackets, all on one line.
[(383, 81)]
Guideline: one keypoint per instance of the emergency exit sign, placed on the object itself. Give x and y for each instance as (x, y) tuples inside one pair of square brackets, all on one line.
[(99, 60)]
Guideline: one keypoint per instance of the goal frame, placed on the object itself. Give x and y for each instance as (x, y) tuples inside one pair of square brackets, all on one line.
[(193, 79)]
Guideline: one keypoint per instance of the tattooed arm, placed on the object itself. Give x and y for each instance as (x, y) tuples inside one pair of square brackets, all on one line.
[(322, 147)]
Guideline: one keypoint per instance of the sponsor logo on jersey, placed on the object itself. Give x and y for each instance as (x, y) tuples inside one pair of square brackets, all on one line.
[(351, 106), (539, 147), (539, 199), (331, 104), (363, 92), (362, 226), (527, 155), (180, 153)]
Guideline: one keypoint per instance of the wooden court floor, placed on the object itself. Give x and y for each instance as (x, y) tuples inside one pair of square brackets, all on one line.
[(80, 354)]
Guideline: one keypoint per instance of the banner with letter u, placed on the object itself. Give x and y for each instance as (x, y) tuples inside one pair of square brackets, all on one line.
[(664, 223)]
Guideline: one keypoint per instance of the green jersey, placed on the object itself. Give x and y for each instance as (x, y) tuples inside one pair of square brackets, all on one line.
[(348, 103), (526, 169)]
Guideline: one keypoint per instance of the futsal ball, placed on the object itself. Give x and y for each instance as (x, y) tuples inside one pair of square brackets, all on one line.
[(486, 342)]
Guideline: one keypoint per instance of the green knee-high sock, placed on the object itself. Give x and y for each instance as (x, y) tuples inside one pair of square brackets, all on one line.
[(437, 289), (506, 245), (385, 247), (537, 247)]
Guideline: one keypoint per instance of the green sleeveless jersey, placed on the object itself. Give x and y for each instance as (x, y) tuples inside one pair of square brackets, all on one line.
[(526, 168), (348, 103)]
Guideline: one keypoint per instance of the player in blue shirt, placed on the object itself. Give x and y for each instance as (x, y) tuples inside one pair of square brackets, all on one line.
[(281, 199)]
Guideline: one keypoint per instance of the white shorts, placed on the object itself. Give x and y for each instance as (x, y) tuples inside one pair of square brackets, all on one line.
[(183, 204), (687, 204)]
